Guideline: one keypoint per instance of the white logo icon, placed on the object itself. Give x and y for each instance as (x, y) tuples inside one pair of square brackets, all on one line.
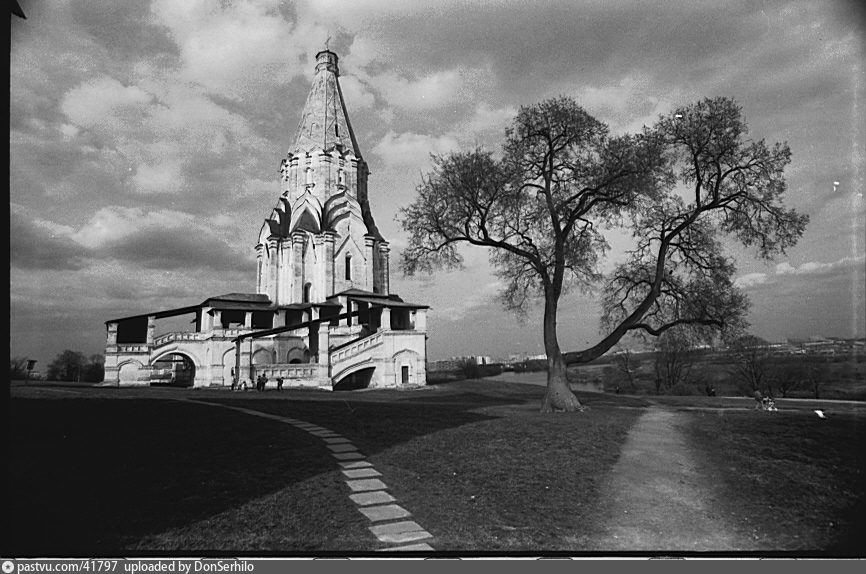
[(8, 567)]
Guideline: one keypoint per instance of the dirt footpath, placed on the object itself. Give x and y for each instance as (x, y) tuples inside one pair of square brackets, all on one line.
[(657, 499)]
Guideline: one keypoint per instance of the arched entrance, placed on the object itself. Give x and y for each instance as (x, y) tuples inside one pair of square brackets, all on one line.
[(298, 355), (173, 370), (357, 380), (129, 373), (228, 367)]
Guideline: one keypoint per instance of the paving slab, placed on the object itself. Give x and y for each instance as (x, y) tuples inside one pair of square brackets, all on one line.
[(325, 434), (355, 464), (371, 497), (366, 484), (345, 447), (397, 532), (361, 473), (385, 512), (335, 439), (347, 455), (409, 548)]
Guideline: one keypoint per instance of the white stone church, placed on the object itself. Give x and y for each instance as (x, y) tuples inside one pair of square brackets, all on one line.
[(322, 315)]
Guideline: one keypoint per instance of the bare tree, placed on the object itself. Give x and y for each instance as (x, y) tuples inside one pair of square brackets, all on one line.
[(674, 357), (816, 376), (788, 377), (751, 363), (562, 177), (627, 364), (17, 367)]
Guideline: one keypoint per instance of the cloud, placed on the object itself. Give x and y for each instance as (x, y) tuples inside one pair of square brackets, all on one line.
[(750, 280), (429, 91), (459, 306), (818, 268), (104, 102), (355, 93), (162, 132), (486, 118), (235, 48), (35, 245), (132, 237), (412, 149), (844, 266)]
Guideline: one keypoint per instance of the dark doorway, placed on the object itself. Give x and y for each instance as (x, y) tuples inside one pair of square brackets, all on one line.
[(404, 374)]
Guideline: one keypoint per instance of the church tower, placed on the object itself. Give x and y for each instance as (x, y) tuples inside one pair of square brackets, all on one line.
[(320, 238)]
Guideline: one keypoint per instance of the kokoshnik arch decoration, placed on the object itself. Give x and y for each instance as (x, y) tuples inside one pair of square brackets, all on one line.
[(322, 315)]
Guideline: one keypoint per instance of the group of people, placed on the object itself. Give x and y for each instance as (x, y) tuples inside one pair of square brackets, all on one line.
[(261, 382), (764, 402)]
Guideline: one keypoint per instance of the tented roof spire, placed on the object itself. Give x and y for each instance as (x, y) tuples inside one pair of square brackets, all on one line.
[(324, 122)]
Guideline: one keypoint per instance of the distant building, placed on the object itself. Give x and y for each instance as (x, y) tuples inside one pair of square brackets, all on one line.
[(322, 315)]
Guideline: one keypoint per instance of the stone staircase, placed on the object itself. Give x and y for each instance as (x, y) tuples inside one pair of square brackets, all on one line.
[(358, 352)]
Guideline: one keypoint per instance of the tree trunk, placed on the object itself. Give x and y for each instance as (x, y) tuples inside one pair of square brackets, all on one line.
[(558, 397)]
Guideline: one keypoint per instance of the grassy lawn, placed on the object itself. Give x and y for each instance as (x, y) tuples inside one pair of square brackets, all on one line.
[(800, 480), (126, 472), (96, 476)]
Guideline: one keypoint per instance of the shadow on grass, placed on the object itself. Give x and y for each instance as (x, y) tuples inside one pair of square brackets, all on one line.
[(798, 479), (93, 476)]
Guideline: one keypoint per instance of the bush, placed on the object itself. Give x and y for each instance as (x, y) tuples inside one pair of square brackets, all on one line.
[(683, 390), (468, 368)]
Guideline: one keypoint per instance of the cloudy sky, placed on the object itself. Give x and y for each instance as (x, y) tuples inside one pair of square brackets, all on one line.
[(146, 139)]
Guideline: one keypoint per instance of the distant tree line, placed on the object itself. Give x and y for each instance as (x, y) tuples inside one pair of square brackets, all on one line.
[(67, 366)]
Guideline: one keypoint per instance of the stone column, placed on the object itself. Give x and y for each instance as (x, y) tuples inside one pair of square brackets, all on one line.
[(324, 346), (386, 319), (384, 268), (421, 319), (217, 320), (238, 361), (325, 174), (248, 320), (298, 267), (246, 360), (286, 273), (273, 269), (291, 181), (111, 337), (111, 371), (369, 263), (151, 329), (206, 320), (328, 238), (260, 249)]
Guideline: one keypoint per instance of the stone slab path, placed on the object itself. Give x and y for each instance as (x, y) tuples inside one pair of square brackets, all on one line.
[(657, 498), (367, 492)]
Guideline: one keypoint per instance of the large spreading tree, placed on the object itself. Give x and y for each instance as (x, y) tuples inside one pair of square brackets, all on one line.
[(542, 207)]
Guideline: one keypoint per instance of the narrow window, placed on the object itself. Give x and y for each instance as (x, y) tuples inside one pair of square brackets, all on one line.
[(307, 288), (348, 267)]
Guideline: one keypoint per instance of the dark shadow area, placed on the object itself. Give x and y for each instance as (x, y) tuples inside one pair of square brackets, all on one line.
[(92, 476), (357, 380), (786, 468)]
